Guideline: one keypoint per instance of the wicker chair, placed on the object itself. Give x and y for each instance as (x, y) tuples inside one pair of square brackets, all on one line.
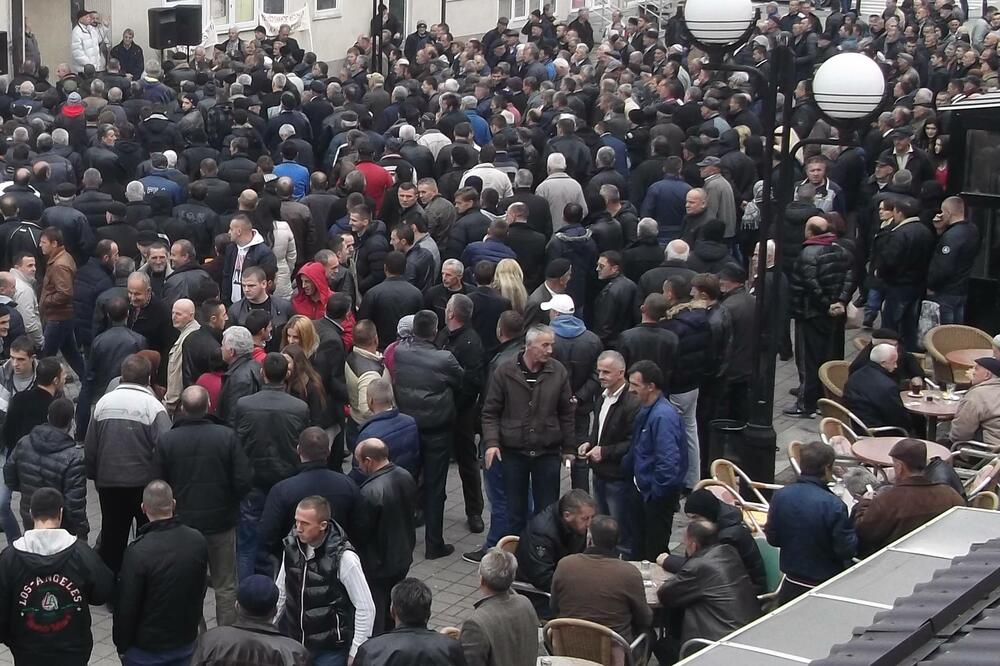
[(947, 338), (728, 495), (508, 544), (985, 500), (794, 451), (569, 637), (833, 376), (830, 427), (985, 480), (831, 409)]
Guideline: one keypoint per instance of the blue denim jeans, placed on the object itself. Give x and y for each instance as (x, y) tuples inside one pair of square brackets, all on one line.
[(177, 657), (330, 658), (60, 337), (952, 307), (611, 501), (873, 304), (538, 475), (901, 312), (496, 493), (251, 507)]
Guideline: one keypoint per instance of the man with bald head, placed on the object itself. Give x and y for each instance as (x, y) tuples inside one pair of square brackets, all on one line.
[(299, 218), (951, 264), (204, 463), (675, 256), (388, 495), (320, 200), (182, 318)]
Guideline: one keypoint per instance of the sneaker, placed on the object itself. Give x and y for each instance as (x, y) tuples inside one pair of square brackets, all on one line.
[(476, 525), (475, 557), (445, 551)]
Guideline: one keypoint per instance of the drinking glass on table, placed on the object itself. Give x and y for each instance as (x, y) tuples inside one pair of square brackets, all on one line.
[(646, 568), (916, 385)]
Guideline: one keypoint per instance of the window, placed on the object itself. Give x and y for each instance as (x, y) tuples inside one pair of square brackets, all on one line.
[(241, 13), (517, 10), (326, 5)]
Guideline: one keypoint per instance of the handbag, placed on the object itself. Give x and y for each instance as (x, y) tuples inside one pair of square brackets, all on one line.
[(930, 317)]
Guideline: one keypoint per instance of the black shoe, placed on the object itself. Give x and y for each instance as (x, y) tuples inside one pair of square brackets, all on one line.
[(476, 525), (445, 551), (868, 323), (418, 518), (794, 392), (475, 557), (799, 412), (785, 357)]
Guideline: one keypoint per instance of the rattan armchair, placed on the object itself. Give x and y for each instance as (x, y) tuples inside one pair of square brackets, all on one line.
[(569, 637), (948, 338), (833, 376)]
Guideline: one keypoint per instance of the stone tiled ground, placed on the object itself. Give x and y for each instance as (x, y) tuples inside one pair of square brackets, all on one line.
[(453, 581)]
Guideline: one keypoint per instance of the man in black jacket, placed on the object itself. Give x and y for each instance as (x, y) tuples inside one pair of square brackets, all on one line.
[(388, 495), (162, 584), (740, 305), (872, 391), (611, 437), (412, 643), (84, 581), (391, 300), (427, 380), (463, 342), (203, 462), (555, 532), (951, 264), (528, 244), (902, 255), (312, 478), (268, 423), (616, 307), (821, 287), (370, 249), (252, 638), (649, 341)]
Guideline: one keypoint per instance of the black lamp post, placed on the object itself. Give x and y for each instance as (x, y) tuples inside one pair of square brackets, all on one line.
[(848, 96)]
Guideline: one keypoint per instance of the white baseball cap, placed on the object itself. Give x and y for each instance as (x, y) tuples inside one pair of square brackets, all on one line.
[(561, 303)]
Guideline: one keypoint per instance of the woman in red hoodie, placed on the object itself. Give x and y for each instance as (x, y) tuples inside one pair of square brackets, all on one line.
[(311, 296)]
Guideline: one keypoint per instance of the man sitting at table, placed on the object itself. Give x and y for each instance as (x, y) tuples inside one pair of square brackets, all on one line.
[(872, 392), (978, 415), (557, 531), (894, 511), (728, 520), (613, 592), (712, 589), (907, 364), (810, 525)]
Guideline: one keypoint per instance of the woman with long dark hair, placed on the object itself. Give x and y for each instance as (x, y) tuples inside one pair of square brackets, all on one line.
[(304, 382)]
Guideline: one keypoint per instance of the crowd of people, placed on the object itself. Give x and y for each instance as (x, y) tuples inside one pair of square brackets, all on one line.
[(525, 252)]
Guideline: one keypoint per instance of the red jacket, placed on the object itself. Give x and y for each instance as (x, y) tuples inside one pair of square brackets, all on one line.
[(377, 181), (313, 307)]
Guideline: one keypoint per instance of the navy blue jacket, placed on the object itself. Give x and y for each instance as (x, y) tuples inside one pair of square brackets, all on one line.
[(658, 457), (399, 432), (811, 527), (664, 202), (485, 250), (313, 478)]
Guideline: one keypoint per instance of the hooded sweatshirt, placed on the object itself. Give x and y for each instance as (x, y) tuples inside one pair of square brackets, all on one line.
[(49, 579), (568, 326), (241, 255), (313, 306)]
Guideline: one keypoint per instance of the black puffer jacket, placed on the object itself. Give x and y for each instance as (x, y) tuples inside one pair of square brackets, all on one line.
[(793, 231), (157, 134), (203, 462), (695, 358), (821, 276), (545, 541), (318, 610), (161, 587), (268, 424), (49, 458), (708, 256), (427, 379), (237, 171), (903, 253)]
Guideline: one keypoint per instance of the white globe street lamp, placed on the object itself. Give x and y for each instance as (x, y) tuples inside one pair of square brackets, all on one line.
[(848, 86), (718, 22)]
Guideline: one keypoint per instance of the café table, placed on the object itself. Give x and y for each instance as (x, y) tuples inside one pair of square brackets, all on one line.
[(565, 661), (875, 450), (965, 359), (657, 578), (938, 408)]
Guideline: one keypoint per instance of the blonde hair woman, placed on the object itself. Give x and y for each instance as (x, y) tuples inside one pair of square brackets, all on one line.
[(509, 281), (300, 331)]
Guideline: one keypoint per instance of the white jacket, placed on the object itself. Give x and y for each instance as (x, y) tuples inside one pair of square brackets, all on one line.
[(85, 47), (284, 252), (27, 305)]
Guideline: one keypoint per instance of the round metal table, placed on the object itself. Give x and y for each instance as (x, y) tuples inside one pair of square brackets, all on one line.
[(938, 408), (875, 450), (965, 360)]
